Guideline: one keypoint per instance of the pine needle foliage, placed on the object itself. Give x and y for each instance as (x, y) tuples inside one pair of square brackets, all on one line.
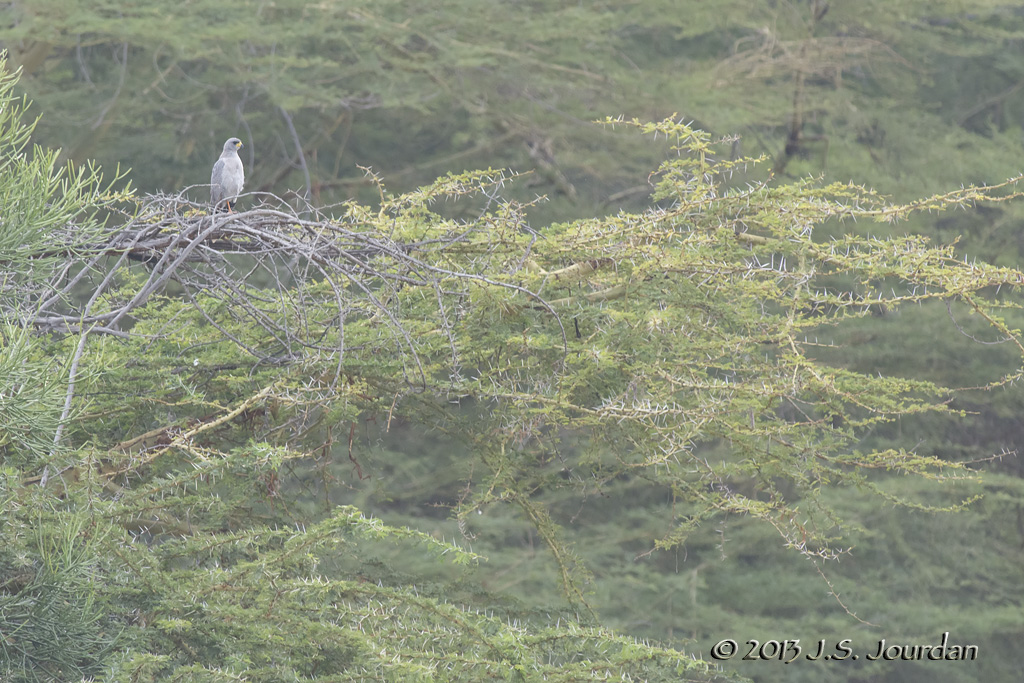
[(39, 197)]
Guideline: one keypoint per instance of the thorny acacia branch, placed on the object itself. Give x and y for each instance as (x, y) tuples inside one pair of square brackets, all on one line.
[(291, 256)]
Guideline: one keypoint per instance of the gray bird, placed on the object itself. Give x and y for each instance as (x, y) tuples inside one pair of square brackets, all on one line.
[(228, 177)]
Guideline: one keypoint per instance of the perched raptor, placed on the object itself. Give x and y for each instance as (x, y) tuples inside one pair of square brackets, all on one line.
[(227, 177)]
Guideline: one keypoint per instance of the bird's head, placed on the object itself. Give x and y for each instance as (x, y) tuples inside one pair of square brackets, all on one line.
[(233, 144)]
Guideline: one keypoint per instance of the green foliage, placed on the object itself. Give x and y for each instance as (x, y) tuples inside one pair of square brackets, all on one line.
[(31, 391), (48, 211), (415, 89), (675, 354), (638, 418), (40, 199), (52, 624)]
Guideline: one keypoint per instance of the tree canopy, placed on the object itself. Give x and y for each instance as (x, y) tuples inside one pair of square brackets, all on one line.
[(417, 422)]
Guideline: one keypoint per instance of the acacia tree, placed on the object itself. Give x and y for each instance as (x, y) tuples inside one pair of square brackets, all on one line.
[(217, 364)]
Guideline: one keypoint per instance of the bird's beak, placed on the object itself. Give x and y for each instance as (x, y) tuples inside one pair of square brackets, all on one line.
[(239, 144)]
